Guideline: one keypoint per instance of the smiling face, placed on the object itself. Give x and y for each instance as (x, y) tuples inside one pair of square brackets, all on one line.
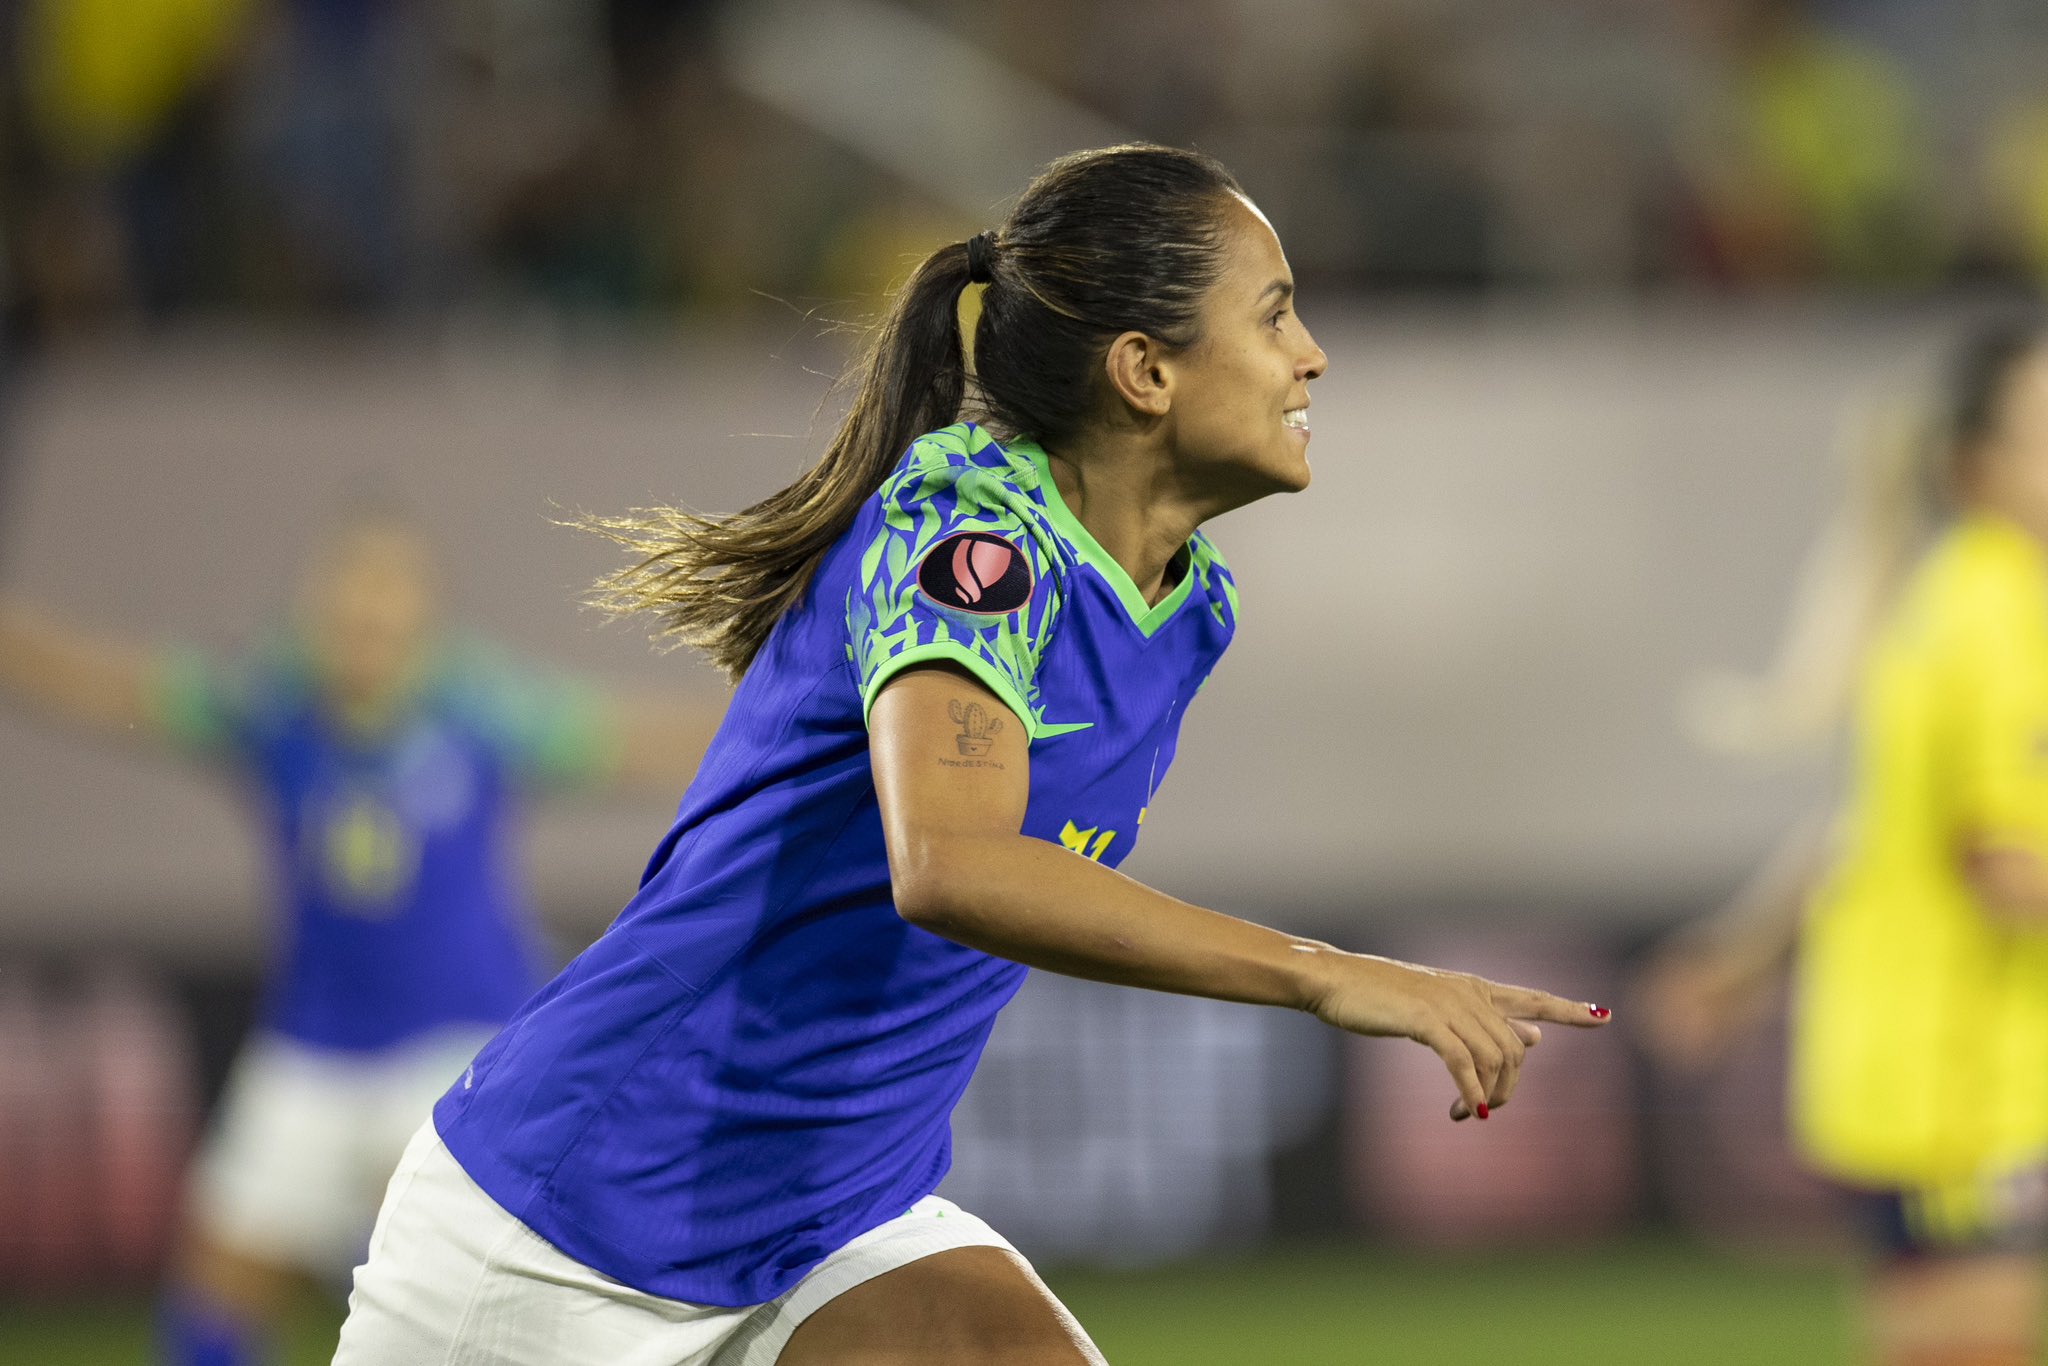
[(1239, 409)]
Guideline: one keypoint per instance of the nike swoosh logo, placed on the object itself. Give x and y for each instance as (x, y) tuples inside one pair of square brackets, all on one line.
[(1046, 729)]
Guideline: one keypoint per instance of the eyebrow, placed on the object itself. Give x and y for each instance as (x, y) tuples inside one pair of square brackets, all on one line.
[(1283, 288)]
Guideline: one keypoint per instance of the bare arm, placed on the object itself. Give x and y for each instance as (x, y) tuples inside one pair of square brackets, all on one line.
[(1714, 979), (962, 869), (1758, 930), (660, 740), (95, 682)]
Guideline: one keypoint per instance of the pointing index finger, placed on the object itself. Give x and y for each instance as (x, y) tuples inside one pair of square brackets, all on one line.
[(1524, 1003)]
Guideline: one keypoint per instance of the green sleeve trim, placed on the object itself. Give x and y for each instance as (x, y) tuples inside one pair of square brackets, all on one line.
[(184, 701), (950, 652), (579, 742)]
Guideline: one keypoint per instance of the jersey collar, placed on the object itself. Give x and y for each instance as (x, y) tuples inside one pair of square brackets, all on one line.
[(1147, 617)]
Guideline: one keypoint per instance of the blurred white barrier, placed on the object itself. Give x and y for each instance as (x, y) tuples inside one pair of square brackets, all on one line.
[(1460, 653)]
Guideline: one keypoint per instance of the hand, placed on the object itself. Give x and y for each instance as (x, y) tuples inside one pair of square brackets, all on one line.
[(2010, 879), (1696, 1001), (1480, 1029)]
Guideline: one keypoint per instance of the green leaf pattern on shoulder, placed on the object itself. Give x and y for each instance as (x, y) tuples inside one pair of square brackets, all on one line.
[(940, 491), (1206, 563)]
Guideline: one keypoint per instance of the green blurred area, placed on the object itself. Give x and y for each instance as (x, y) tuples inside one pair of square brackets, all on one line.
[(1661, 1301)]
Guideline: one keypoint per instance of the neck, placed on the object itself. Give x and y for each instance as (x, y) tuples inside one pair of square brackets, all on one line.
[(365, 715), (371, 709), (2012, 511), (1133, 502)]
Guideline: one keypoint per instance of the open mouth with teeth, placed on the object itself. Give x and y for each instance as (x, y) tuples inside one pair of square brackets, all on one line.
[(1296, 418)]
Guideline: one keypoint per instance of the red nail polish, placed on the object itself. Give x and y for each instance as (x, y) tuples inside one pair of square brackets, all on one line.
[(1599, 1012), (1482, 1109)]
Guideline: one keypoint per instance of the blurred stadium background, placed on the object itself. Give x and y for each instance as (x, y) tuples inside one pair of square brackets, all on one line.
[(1600, 280)]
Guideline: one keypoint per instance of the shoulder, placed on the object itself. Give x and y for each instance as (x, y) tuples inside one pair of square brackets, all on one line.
[(968, 469), (473, 685), (1981, 566), (210, 703), (960, 485), (1978, 583), (473, 679), (274, 678), (461, 662), (1213, 579)]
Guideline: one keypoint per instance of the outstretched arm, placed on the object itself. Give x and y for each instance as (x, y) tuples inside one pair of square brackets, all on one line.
[(961, 869), (75, 676), (1714, 979), (659, 740)]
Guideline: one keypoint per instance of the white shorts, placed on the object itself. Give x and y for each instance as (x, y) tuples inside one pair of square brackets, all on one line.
[(306, 1140), (453, 1280)]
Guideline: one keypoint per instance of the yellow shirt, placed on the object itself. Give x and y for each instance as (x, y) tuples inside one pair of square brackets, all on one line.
[(1921, 1020), (100, 76)]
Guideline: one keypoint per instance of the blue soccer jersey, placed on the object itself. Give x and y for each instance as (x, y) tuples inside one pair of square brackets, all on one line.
[(757, 1062), (394, 853)]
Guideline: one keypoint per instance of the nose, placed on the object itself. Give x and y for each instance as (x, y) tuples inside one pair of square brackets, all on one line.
[(1313, 362)]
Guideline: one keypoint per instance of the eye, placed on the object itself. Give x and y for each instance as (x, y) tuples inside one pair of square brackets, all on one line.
[(1278, 313)]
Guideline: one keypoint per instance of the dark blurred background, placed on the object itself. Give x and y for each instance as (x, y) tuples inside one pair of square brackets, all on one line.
[(1601, 281), (650, 159)]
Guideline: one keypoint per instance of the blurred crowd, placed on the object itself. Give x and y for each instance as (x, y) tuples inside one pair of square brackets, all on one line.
[(319, 157)]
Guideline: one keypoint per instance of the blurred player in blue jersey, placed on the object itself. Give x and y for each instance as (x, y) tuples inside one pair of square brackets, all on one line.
[(386, 763), (964, 650)]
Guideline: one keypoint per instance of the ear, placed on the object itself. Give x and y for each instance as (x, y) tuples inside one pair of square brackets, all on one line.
[(1139, 374)]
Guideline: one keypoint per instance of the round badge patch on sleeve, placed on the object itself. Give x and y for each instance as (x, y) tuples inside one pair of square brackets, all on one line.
[(976, 572)]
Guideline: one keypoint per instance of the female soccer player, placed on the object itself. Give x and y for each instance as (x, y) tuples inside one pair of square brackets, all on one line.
[(386, 768), (1920, 1059), (962, 669)]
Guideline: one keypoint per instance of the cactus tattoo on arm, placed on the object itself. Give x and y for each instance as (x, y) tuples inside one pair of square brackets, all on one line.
[(978, 729)]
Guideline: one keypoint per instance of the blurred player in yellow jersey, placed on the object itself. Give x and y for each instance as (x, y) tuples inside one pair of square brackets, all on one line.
[(1920, 1005)]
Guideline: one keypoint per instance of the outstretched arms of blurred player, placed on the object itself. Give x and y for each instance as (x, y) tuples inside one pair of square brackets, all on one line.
[(961, 868), (103, 683), (79, 677)]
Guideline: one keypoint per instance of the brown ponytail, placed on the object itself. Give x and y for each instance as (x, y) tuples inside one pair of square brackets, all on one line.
[(1101, 242), (721, 583)]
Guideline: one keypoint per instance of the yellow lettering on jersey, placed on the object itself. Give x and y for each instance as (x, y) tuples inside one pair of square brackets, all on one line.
[(1077, 840)]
